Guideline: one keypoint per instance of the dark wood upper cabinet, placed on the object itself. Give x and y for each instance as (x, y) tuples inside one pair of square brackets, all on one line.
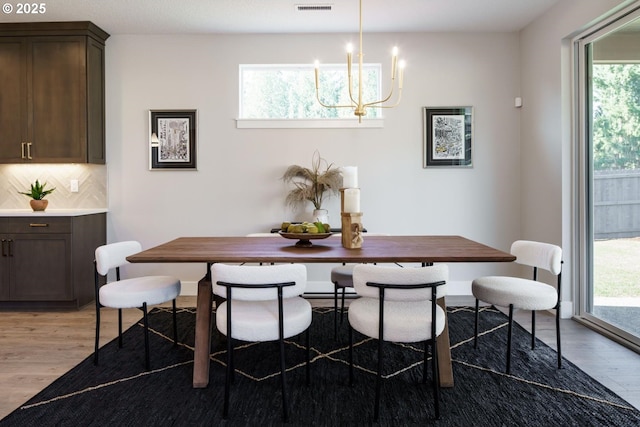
[(52, 93)]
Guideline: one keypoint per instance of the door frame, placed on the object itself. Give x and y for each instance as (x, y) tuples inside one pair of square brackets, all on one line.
[(582, 191)]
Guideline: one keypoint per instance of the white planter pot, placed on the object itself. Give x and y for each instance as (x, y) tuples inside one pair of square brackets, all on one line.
[(321, 215)]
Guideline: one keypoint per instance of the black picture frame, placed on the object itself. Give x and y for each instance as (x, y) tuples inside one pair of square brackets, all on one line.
[(175, 147), (448, 134)]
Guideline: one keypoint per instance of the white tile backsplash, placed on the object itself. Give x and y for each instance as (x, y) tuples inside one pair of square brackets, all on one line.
[(92, 185)]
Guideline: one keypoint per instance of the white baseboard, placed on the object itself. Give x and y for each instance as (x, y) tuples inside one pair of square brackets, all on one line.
[(189, 288), (566, 310)]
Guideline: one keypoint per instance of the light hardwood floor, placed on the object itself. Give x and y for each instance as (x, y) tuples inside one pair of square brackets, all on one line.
[(38, 347)]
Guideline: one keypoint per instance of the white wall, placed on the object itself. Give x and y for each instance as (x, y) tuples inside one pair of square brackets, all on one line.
[(546, 134), (237, 188)]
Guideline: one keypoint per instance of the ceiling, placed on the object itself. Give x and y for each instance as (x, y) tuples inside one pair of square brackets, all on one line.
[(282, 16)]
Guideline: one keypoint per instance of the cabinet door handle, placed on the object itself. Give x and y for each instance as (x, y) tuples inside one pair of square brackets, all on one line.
[(4, 250), (38, 224), (29, 151), (24, 145), (10, 246)]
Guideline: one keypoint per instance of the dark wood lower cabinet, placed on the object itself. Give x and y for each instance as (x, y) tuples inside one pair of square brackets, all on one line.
[(47, 262)]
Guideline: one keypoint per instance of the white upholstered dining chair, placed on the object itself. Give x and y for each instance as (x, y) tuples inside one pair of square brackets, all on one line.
[(525, 294), (399, 305), (261, 303), (136, 292), (342, 278)]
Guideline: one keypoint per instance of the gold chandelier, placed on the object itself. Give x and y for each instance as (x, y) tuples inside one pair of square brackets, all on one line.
[(358, 105)]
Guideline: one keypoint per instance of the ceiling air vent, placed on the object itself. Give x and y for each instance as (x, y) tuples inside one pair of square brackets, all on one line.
[(313, 7)]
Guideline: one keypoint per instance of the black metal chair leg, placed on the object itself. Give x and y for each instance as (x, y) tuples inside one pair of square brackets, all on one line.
[(232, 364), (308, 357), (475, 334), (175, 324), (425, 362), (285, 409), (376, 410), (283, 369), (558, 336), (228, 377), (335, 310), (96, 278), (350, 356), (147, 361), (120, 328), (509, 338), (285, 402), (436, 376), (342, 307), (227, 380), (97, 344), (533, 329)]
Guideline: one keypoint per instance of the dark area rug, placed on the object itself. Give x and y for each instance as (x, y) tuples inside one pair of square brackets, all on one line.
[(120, 392)]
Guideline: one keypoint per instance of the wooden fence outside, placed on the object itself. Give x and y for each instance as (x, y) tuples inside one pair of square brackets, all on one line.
[(616, 199)]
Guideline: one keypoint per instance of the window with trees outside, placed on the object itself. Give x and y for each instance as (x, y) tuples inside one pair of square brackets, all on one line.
[(616, 116), (286, 95)]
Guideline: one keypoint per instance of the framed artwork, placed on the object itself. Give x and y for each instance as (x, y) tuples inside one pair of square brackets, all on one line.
[(175, 146), (447, 136)]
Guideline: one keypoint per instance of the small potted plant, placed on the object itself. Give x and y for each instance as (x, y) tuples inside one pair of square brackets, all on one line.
[(37, 194), (312, 184)]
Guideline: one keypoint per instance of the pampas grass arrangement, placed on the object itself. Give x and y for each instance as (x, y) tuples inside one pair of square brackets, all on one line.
[(312, 184)]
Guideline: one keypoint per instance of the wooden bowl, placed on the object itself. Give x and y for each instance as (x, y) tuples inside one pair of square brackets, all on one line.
[(304, 239)]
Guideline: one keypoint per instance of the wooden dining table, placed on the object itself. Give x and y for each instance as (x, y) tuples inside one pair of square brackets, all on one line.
[(425, 250)]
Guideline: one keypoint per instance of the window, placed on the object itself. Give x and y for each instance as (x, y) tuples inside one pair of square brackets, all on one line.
[(286, 95)]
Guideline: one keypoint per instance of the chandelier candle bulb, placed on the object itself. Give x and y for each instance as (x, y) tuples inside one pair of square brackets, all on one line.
[(394, 61), (349, 61), (350, 177)]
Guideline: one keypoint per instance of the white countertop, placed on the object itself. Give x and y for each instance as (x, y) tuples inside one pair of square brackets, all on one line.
[(51, 212)]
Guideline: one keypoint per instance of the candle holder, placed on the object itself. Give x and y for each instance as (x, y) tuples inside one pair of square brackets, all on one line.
[(352, 230), (351, 223)]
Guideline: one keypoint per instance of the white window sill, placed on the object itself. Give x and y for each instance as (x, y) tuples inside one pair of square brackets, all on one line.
[(307, 123)]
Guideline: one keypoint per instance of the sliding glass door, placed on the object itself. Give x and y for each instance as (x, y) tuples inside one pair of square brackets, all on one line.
[(609, 63)]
